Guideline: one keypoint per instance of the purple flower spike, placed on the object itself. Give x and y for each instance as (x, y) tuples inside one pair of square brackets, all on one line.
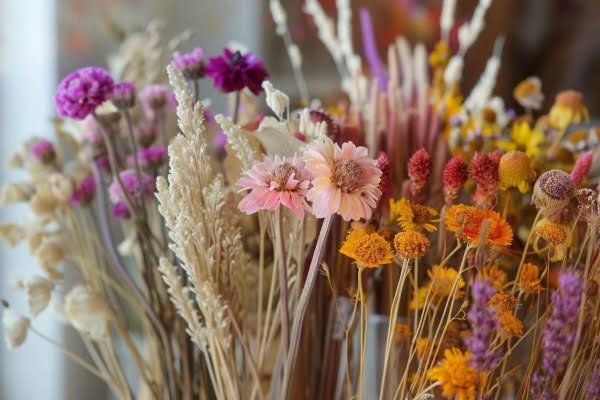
[(559, 333), (482, 325), (191, 65), (232, 71), (43, 151), (82, 91), (123, 95)]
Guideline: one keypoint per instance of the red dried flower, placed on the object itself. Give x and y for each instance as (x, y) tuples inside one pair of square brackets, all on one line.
[(455, 175), (419, 169), (484, 170), (581, 168)]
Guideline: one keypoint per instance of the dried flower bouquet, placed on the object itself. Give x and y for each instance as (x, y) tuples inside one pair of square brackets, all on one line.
[(249, 256)]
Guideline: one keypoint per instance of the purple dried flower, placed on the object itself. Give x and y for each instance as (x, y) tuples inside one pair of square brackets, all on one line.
[(191, 65), (232, 71), (220, 140), (103, 163), (151, 157), (82, 91), (123, 95), (559, 332), (592, 389), (84, 192), (43, 151), (145, 134), (154, 97), (134, 188), (121, 211), (482, 328)]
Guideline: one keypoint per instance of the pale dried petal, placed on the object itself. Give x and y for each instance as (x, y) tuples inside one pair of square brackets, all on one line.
[(12, 193), (50, 253), (61, 187), (88, 312), (11, 234), (15, 328), (38, 291)]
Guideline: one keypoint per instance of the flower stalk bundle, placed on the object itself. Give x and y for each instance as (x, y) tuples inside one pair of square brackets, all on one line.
[(248, 254)]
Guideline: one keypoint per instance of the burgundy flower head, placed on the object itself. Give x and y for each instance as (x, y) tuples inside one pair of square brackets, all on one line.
[(232, 71), (82, 91)]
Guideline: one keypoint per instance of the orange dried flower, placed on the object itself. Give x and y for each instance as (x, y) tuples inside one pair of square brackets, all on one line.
[(411, 244), (529, 281), (502, 302), (509, 325)]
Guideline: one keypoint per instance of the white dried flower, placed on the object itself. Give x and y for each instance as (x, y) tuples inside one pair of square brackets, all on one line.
[(11, 234), (497, 104), (325, 28), (38, 291), (61, 186), (276, 100), (87, 311), (279, 16), (453, 71), (50, 253), (482, 91), (310, 129), (469, 31), (12, 193), (295, 55), (15, 328), (447, 17)]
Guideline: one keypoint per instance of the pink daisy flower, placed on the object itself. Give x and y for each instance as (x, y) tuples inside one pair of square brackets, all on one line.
[(346, 180), (273, 182)]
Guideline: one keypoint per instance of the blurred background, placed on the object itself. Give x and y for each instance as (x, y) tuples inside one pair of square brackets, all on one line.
[(42, 40)]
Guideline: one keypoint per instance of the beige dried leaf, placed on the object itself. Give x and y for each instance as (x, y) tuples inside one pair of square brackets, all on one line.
[(15, 328), (87, 311)]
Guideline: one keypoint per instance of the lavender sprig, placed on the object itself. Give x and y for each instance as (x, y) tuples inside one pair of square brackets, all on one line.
[(482, 324), (558, 334)]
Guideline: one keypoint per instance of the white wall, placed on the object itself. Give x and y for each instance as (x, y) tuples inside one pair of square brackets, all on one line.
[(27, 80)]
